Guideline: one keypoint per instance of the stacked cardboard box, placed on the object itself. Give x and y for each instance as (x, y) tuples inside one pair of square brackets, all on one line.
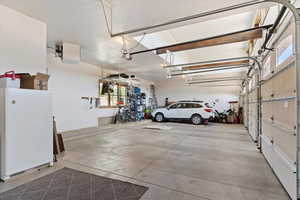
[(36, 82)]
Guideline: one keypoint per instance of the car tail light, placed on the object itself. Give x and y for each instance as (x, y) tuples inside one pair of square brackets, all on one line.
[(208, 110)]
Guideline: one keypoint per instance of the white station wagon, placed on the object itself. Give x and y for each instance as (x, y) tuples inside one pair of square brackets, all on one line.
[(195, 111)]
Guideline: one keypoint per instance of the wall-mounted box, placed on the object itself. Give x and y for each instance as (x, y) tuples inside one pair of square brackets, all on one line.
[(71, 53)]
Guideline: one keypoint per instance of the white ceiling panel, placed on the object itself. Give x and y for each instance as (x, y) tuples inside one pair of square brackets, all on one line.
[(134, 14), (83, 22)]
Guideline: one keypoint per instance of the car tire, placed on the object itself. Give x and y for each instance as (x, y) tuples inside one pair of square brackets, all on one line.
[(159, 117), (197, 119)]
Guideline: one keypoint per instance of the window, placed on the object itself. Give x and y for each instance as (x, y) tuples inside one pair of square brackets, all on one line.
[(197, 105), (104, 96), (190, 105), (207, 105), (284, 50), (122, 95), (174, 106), (112, 94), (181, 105)]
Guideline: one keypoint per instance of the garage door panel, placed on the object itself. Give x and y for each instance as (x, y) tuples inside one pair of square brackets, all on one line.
[(284, 113), (245, 112), (284, 84), (253, 109), (276, 84), (286, 142), (252, 129), (253, 120), (267, 90), (250, 97), (267, 128), (281, 167), (244, 106), (267, 108)]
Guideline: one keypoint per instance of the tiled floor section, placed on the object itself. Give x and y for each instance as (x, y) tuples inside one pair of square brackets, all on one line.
[(214, 162)]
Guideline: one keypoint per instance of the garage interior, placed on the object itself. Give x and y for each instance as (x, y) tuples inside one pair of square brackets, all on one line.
[(82, 83)]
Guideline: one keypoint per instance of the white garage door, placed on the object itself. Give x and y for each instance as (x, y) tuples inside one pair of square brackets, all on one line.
[(253, 113), (279, 112), (244, 104)]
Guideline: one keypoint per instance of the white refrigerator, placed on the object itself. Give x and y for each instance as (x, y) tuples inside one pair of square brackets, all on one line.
[(26, 130)]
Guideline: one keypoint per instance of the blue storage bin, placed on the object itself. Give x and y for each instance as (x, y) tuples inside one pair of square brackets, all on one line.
[(137, 90)]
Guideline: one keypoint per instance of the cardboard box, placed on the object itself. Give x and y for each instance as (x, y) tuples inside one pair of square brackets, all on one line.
[(37, 82)]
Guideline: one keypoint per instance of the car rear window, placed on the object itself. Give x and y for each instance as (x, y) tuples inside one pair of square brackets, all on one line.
[(207, 105)]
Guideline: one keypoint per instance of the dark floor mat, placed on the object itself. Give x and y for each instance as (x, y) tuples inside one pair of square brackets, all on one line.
[(69, 184)]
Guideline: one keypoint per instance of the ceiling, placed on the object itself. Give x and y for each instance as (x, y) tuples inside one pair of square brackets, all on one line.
[(141, 13), (200, 30), (83, 22)]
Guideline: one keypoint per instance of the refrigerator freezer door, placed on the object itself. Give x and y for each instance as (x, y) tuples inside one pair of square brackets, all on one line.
[(28, 136)]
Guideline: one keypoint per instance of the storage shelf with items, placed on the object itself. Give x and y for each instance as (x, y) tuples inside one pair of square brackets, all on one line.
[(121, 92)]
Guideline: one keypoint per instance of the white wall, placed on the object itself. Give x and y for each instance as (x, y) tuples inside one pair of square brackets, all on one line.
[(177, 90), (23, 42), (23, 48), (68, 83)]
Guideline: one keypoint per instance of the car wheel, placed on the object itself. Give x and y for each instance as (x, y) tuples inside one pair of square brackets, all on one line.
[(159, 117), (197, 119)]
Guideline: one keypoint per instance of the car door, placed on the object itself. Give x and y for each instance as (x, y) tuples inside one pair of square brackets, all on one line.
[(181, 111), (189, 110), (171, 111)]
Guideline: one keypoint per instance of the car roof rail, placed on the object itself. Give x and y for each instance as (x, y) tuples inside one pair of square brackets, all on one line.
[(189, 101)]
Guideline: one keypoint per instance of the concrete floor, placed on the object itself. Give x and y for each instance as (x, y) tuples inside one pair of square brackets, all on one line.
[(187, 162)]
